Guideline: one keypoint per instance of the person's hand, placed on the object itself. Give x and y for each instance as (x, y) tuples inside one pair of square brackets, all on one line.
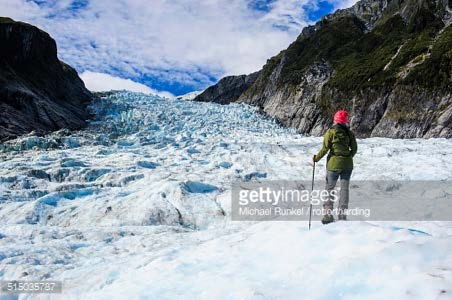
[(314, 159)]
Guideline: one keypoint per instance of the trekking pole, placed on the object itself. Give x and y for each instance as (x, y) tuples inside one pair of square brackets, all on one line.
[(312, 189)]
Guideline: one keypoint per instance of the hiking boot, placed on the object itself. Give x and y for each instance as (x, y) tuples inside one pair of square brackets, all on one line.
[(342, 217), (327, 219)]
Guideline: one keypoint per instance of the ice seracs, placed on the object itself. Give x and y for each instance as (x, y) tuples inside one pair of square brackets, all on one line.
[(128, 208)]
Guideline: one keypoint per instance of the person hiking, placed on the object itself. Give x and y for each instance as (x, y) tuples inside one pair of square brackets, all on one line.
[(340, 144)]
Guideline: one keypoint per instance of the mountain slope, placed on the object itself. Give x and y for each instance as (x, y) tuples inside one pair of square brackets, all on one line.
[(227, 89), (387, 62), (37, 91)]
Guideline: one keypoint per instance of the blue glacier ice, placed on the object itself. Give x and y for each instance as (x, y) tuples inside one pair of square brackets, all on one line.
[(138, 204)]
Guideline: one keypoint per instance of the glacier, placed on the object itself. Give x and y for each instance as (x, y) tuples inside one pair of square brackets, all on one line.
[(137, 206)]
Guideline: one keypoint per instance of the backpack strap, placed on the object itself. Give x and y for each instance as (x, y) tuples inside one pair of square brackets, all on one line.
[(345, 128)]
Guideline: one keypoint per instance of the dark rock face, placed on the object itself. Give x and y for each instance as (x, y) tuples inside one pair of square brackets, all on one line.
[(228, 89), (37, 91), (388, 62)]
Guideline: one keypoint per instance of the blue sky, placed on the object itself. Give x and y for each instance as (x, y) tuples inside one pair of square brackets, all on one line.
[(169, 45)]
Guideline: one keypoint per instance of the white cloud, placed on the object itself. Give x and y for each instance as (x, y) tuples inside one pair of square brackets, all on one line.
[(182, 41), (340, 4), (99, 82)]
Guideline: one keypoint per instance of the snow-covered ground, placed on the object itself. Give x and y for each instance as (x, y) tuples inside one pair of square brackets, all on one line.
[(189, 96), (137, 206)]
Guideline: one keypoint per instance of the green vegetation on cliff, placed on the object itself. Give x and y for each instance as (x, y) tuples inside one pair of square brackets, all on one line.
[(436, 69), (326, 44), (397, 50)]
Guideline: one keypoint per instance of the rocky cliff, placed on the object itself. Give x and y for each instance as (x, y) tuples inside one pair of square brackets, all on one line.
[(388, 62), (37, 91), (227, 89)]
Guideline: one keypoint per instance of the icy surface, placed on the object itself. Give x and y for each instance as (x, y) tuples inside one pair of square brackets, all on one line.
[(189, 96), (137, 206)]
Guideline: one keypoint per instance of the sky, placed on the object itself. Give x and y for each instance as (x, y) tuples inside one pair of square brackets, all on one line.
[(170, 47)]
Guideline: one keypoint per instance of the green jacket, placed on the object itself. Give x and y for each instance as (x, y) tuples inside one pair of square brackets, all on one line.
[(340, 142)]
